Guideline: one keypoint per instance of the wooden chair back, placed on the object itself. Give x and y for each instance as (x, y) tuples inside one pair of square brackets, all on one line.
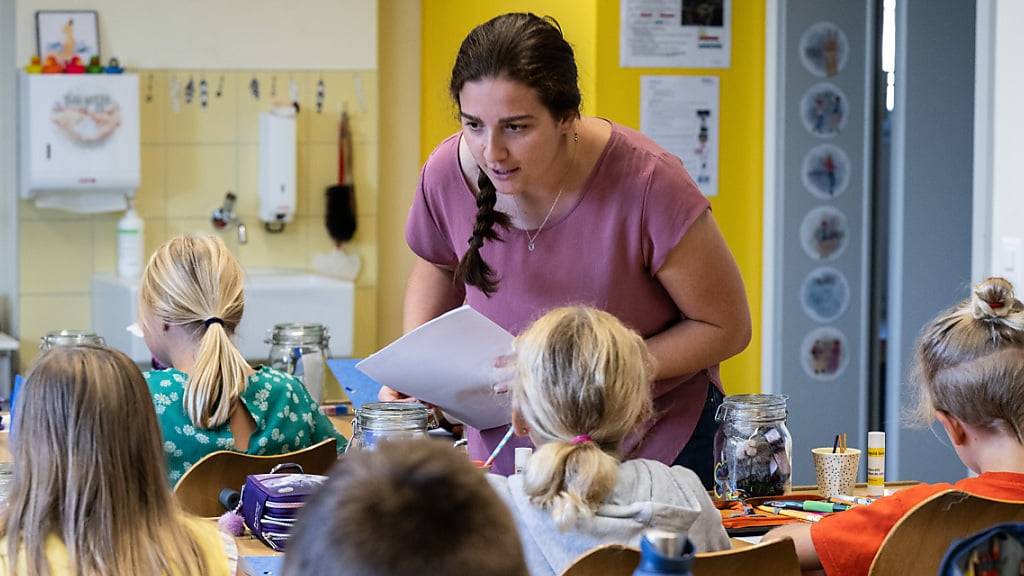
[(917, 543), (606, 560), (199, 488), (775, 558)]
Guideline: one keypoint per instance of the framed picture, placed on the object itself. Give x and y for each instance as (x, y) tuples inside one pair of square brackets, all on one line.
[(68, 33)]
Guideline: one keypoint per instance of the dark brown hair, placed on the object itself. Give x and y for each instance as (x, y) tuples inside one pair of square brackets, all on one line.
[(524, 48), (970, 361), (379, 514)]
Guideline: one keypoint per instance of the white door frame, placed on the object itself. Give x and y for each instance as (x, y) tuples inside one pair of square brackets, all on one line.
[(8, 172)]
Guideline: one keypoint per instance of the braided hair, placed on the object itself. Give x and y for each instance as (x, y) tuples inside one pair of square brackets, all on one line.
[(530, 50)]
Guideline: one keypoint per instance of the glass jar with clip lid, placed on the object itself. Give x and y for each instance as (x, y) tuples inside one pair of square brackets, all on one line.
[(302, 350), (753, 448), (57, 338), (382, 421)]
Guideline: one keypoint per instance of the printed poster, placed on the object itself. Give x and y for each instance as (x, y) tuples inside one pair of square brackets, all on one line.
[(674, 33), (681, 113)]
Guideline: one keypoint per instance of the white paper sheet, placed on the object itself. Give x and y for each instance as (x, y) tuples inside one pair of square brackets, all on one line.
[(675, 33), (449, 362), (681, 114)]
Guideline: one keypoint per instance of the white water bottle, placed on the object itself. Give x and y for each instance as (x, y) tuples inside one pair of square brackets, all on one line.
[(130, 244)]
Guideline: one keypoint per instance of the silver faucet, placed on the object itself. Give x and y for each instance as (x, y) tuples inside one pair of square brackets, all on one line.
[(225, 215)]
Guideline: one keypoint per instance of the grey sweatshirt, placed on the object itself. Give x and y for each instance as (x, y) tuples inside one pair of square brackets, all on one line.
[(647, 494)]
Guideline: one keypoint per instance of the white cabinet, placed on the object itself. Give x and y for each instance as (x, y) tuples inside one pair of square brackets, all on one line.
[(79, 133)]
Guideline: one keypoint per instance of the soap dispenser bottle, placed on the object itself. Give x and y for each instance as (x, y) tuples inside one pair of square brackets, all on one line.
[(130, 243)]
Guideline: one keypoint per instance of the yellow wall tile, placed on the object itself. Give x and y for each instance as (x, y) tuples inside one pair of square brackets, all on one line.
[(364, 243), (249, 181), (191, 123), (56, 256), (286, 249), (366, 175), (153, 106), (42, 314), (250, 107), (104, 244), (150, 198), (364, 337), (155, 234), (356, 90), (198, 177), (176, 227), (322, 173), (27, 211)]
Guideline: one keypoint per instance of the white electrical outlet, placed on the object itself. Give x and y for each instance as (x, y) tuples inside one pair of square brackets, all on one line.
[(1011, 261)]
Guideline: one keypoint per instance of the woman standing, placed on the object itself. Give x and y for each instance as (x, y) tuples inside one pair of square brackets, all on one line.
[(559, 208)]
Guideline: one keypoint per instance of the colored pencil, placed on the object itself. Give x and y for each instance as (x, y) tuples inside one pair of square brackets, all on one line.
[(497, 449)]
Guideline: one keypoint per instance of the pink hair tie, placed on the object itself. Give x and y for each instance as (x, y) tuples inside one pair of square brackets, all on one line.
[(581, 439)]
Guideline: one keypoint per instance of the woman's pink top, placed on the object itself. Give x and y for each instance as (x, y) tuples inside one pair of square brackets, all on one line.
[(636, 205)]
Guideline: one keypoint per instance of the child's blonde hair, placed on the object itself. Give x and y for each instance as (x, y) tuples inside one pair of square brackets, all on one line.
[(187, 282), (970, 361), (90, 470), (582, 384)]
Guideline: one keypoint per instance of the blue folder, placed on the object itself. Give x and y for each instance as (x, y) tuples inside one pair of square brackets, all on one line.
[(261, 565), (359, 387)]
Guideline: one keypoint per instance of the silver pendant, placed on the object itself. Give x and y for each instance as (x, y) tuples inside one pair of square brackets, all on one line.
[(530, 246)]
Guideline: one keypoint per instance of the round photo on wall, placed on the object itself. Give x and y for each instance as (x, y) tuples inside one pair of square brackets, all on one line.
[(824, 110), (824, 353), (824, 233), (826, 171), (825, 294), (823, 49)]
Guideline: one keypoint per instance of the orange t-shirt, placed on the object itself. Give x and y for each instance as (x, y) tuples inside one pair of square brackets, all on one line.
[(847, 542)]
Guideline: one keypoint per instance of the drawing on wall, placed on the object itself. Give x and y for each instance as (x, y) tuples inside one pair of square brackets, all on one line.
[(825, 294), (823, 49), (824, 110), (826, 171), (824, 233), (681, 114), (824, 353)]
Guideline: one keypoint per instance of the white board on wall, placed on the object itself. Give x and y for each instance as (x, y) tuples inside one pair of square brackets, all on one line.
[(198, 34)]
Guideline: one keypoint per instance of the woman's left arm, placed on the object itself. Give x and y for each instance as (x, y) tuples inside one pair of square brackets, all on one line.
[(702, 278)]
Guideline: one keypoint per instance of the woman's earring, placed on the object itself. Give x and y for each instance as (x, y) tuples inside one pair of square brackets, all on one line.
[(576, 136)]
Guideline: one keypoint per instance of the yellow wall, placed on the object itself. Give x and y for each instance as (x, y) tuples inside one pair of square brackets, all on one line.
[(190, 159), (592, 27), (738, 206)]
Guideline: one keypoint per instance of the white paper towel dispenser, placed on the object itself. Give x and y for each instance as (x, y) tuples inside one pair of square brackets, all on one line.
[(79, 136), (278, 160)]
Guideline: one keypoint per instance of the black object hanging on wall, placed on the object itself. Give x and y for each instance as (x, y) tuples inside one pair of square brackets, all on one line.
[(341, 197)]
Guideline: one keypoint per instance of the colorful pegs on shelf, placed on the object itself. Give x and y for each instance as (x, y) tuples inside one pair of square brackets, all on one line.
[(34, 66), (114, 67), (52, 66), (94, 66), (74, 66)]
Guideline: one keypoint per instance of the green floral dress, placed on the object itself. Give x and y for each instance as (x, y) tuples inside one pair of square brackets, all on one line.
[(287, 418)]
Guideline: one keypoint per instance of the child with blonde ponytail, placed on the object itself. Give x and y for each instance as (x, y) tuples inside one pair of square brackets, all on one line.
[(970, 377), (190, 302), (582, 384)]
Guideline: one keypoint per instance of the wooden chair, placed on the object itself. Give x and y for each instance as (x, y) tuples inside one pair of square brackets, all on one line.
[(918, 541), (199, 488), (775, 558), (606, 560)]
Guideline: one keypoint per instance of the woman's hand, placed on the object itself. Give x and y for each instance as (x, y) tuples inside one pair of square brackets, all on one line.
[(504, 372), (388, 394)]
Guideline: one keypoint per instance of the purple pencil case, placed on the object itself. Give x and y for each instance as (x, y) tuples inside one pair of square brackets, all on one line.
[(271, 502)]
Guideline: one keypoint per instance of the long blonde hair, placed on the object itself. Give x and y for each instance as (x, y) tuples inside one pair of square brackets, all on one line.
[(89, 468), (970, 361), (188, 281), (579, 373)]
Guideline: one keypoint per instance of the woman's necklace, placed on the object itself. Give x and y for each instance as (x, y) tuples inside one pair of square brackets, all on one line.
[(531, 240)]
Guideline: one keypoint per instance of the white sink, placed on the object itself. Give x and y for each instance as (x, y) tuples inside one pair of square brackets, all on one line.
[(272, 296)]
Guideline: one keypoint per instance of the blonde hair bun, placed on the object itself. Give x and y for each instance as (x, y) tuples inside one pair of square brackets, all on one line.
[(993, 299)]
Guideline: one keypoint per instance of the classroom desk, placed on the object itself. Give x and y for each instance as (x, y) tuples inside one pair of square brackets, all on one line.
[(247, 545)]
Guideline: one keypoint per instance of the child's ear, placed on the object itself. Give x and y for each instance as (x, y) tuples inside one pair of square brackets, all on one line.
[(954, 427), (519, 424)]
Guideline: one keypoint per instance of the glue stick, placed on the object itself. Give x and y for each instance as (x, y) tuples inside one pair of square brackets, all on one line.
[(876, 463), (522, 458)]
